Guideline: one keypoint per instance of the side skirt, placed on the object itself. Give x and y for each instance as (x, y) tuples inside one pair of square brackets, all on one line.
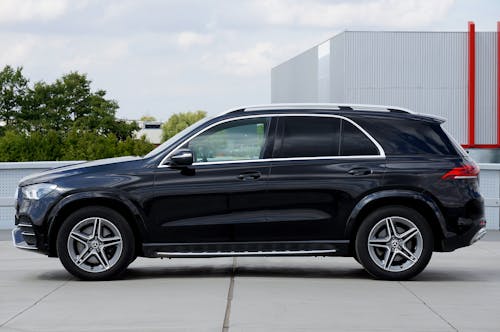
[(228, 249)]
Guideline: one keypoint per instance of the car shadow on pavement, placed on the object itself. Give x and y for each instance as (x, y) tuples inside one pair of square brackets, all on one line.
[(353, 272), (491, 274), (244, 271)]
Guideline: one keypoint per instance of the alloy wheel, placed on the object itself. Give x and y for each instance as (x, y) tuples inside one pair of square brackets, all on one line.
[(95, 244), (395, 244)]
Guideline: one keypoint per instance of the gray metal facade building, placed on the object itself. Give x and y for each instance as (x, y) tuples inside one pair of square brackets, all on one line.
[(454, 75), (428, 72)]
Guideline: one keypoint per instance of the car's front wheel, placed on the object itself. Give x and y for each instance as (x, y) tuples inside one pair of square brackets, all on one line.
[(95, 243), (394, 243)]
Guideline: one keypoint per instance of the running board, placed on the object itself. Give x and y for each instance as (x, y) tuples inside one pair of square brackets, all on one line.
[(245, 253)]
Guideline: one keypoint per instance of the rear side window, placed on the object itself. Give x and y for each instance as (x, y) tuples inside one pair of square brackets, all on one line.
[(305, 136), (407, 136), (354, 142)]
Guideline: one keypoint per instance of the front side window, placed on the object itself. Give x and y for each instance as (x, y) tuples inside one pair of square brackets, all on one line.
[(231, 141)]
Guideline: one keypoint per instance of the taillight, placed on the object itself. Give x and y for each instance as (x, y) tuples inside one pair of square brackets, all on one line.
[(469, 171)]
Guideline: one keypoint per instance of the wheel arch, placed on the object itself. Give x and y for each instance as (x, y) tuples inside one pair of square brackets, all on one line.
[(423, 203), (78, 201)]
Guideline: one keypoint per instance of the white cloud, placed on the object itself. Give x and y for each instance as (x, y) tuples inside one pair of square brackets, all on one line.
[(253, 61), (15, 50), (117, 9), (91, 55), (373, 12), (250, 62), (12, 11), (187, 39)]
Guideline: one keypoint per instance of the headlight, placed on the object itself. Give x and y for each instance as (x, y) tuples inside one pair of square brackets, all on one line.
[(37, 191)]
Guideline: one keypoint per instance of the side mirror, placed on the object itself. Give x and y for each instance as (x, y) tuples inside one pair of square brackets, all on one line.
[(182, 157)]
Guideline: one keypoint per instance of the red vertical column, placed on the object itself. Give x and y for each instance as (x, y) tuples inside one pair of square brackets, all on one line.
[(472, 82), (498, 82)]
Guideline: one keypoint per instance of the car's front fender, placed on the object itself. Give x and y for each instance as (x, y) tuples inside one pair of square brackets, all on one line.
[(113, 199)]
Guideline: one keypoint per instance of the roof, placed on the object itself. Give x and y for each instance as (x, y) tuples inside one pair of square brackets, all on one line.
[(334, 107)]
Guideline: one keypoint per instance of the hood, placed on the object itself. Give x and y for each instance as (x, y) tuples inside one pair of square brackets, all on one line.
[(79, 168)]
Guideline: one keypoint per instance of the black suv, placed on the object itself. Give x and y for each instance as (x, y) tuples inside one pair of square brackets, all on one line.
[(381, 184)]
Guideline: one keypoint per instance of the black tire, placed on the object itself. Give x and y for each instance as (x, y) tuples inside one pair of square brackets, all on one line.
[(389, 260), (355, 256), (112, 238)]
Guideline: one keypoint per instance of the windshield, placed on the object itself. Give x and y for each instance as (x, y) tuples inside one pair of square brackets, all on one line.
[(176, 137)]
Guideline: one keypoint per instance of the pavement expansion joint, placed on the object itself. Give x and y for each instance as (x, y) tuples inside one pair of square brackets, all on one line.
[(428, 306), (35, 303), (227, 314)]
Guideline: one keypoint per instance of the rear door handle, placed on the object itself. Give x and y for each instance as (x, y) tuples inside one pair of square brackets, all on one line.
[(249, 176), (360, 171)]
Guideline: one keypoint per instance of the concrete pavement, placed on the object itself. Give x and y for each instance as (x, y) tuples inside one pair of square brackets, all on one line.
[(458, 291)]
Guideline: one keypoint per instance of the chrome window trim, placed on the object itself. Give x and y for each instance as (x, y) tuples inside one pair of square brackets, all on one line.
[(285, 159), (381, 154)]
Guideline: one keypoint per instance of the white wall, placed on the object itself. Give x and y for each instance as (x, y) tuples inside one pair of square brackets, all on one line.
[(10, 174)]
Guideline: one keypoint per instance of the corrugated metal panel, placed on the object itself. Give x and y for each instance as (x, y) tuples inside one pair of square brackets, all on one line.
[(423, 71), (324, 72), (296, 80), (337, 68), (486, 88)]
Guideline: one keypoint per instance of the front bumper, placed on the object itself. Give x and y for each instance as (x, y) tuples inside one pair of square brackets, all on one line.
[(24, 237)]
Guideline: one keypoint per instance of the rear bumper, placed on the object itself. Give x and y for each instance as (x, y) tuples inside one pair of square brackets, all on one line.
[(479, 235), (471, 236)]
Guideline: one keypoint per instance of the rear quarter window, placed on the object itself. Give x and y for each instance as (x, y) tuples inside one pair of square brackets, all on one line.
[(354, 142), (408, 136)]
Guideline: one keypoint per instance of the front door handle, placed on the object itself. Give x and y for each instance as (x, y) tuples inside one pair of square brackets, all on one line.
[(249, 176), (360, 171)]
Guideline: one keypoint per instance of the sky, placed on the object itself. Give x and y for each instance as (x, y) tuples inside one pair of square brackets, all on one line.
[(161, 57)]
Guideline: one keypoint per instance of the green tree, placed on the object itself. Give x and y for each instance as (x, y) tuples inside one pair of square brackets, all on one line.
[(13, 90), (147, 118), (180, 121), (63, 120), (69, 103), (17, 146)]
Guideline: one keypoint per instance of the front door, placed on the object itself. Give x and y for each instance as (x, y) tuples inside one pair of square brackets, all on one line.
[(224, 187)]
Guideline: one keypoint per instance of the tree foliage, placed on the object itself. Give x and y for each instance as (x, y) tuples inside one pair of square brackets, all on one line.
[(147, 118), (13, 89), (180, 121), (63, 120)]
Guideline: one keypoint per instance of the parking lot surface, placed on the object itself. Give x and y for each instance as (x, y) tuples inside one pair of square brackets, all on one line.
[(458, 291)]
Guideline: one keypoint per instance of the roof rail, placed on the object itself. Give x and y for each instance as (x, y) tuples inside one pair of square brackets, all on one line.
[(319, 106)]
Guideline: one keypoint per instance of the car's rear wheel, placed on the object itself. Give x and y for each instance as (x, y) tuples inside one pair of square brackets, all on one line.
[(95, 243), (394, 243)]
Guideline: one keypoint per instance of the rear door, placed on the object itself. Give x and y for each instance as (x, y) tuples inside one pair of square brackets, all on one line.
[(321, 164)]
